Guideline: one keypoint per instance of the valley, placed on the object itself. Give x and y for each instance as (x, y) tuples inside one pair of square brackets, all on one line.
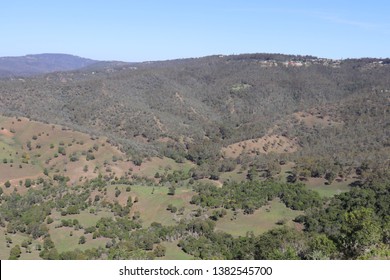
[(256, 156)]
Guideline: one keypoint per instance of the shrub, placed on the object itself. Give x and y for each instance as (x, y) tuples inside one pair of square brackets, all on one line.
[(7, 184), (27, 183)]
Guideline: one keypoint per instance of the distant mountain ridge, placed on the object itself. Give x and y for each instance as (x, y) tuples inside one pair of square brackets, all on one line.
[(30, 65)]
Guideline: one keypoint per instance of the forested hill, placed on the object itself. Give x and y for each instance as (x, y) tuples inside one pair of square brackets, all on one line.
[(221, 99), (257, 156), (30, 65)]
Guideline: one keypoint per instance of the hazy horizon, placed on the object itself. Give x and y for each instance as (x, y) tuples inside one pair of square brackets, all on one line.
[(136, 31)]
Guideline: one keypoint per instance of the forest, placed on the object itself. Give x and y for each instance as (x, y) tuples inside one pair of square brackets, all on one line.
[(253, 156)]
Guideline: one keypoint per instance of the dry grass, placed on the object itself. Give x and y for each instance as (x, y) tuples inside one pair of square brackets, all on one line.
[(45, 139), (264, 145)]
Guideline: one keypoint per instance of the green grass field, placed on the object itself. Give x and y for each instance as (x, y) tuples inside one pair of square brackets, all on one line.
[(85, 218), (236, 175), (153, 206), (318, 185), (61, 236), (163, 165), (17, 239), (259, 222), (174, 252), (65, 242)]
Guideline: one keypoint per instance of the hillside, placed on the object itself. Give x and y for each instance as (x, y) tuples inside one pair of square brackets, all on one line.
[(220, 99), (30, 65), (255, 156), (31, 149)]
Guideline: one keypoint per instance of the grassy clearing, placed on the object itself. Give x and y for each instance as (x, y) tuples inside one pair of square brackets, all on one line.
[(65, 242), (153, 204), (261, 221), (85, 218), (153, 201), (162, 165), (62, 236), (318, 185), (17, 239), (174, 252), (236, 175)]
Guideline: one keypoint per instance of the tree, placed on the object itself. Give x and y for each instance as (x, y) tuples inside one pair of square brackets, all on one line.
[(82, 239), (15, 253), (171, 190), (90, 156), (321, 248), (61, 150), (360, 232), (129, 202), (25, 243), (7, 184), (280, 244), (330, 176), (137, 160), (48, 243), (51, 254), (27, 183), (159, 251), (252, 174)]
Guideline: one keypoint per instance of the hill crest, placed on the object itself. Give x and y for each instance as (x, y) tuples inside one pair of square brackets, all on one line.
[(35, 64)]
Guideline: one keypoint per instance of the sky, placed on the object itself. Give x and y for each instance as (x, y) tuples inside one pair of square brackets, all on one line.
[(146, 30)]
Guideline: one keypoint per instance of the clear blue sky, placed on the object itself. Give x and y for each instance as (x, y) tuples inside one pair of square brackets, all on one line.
[(140, 30)]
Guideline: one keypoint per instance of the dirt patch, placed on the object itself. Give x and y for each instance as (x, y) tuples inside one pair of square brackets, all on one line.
[(315, 118), (178, 96), (6, 133), (264, 145), (159, 124), (141, 139), (165, 140)]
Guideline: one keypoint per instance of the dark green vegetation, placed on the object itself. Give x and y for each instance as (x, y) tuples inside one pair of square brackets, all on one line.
[(238, 157), (351, 225)]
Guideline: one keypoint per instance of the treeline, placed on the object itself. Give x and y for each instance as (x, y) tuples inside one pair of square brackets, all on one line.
[(249, 196)]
